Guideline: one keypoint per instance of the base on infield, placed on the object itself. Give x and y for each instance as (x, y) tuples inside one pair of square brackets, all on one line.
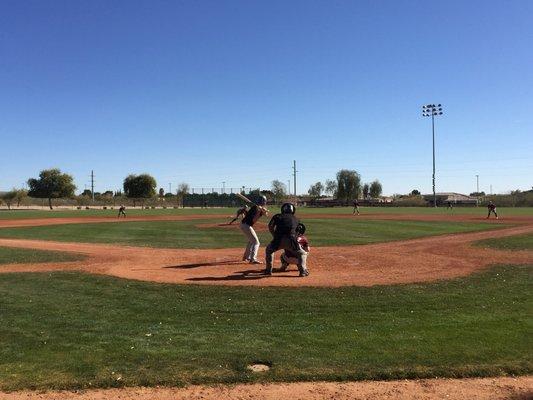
[(258, 367)]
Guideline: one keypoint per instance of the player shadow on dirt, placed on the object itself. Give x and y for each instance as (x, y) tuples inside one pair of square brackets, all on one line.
[(251, 274), (204, 264)]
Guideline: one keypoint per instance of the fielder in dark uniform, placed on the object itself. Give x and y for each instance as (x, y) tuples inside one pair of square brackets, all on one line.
[(355, 207), (492, 209), (241, 212), (251, 217), (122, 211), (283, 228)]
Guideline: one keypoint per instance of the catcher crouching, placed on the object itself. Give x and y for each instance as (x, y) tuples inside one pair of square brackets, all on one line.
[(283, 229)]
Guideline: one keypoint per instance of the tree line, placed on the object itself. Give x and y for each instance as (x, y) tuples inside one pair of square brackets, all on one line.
[(347, 186), (54, 184)]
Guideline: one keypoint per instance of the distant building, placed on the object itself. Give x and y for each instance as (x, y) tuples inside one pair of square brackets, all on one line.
[(451, 197)]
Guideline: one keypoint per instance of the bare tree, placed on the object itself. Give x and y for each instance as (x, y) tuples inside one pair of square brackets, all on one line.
[(183, 190), (279, 190), (331, 187)]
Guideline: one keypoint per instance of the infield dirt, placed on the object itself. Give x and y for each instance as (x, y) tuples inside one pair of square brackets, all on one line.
[(416, 260)]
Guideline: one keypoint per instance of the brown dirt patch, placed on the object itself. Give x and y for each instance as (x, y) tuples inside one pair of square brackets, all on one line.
[(417, 260), (428, 389)]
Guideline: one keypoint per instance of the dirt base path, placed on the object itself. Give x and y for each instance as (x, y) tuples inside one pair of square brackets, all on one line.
[(428, 389), (417, 260)]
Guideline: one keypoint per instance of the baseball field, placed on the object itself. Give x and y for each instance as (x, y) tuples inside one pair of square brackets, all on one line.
[(162, 298)]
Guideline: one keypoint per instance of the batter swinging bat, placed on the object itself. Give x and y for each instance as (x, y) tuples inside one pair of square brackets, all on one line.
[(246, 199)]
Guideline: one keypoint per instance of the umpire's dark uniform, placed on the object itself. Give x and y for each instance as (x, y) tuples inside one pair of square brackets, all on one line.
[(283, 228)]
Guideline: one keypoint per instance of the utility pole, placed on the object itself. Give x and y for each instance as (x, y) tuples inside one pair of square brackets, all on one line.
[(477, 185), (223, 187), (170, 187), (431, 110), (294, 176), (491, 190), (92, 184)]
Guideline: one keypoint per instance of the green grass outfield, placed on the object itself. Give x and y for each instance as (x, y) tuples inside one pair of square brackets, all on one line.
[(71, 330), (472, 211), (518, 242), (185, 234), (11, 255)]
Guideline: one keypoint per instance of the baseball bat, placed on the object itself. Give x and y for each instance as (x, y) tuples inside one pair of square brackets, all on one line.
[(246, 199), (243, 197)]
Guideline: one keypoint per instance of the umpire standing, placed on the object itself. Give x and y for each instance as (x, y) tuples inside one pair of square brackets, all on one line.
[(283, 229)]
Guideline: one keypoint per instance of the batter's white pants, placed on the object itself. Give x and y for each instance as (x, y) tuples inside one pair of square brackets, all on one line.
[(250, 253)]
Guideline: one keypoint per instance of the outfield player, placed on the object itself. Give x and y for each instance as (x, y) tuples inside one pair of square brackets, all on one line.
[(283, 229), (241, 212), (289, 257), (492, 209), (355, 207), (122, 211), (251, 217)]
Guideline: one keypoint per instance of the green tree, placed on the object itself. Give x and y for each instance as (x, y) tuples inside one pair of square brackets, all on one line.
[(415, 192), (375, 189), (330, 187), (348, 185), (139, 187), (51, 184), (316, 190), (9, 198), (183, 190), (279, 190), (366, 190)]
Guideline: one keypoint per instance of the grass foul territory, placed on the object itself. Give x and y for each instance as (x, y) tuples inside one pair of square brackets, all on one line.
[(70, 330)]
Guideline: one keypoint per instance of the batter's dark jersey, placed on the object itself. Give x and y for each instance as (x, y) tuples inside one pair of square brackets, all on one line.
[(491, 207), (249, 218)]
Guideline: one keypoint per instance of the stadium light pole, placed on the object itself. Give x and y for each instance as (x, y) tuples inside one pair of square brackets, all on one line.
[(432, 110)]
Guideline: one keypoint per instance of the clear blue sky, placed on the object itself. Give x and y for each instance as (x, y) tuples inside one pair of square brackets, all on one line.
[(210, 91)]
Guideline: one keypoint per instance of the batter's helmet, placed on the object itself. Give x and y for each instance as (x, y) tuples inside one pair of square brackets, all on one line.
[(288, 208), (300, 229), (262, 201)]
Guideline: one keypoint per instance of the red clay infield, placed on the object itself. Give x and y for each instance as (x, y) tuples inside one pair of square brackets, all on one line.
[(417, 260)]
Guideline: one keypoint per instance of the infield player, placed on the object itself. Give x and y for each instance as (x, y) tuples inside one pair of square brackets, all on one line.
[(241, 212), (355, 207), (492, 209), (122, 211), (289, 257), (283, 229), (247, 223)]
